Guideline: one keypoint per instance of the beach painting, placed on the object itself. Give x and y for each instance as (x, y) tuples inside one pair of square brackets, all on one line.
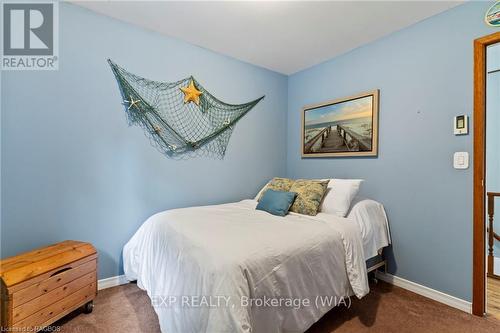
[(342, 127)]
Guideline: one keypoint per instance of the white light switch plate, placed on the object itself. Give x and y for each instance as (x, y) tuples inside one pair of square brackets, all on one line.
[(461, 160)]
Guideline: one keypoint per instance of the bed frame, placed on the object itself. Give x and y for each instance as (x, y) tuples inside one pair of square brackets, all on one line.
[(375, 263)]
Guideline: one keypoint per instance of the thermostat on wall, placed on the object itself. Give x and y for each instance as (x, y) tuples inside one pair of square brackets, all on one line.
[(461, 125)]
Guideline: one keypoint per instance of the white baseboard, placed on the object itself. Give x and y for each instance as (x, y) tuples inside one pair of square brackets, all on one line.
[(427, 292), (111, 282)]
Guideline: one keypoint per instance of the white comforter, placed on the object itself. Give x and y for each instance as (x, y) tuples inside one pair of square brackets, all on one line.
[(371, 219), (204, 266)]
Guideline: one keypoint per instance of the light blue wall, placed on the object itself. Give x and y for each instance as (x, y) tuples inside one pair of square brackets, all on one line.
[(424, 74), (493, 132), (73, 169)]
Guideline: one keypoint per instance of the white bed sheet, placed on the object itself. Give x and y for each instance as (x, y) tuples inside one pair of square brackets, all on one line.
[(235, 252), (371, 219)]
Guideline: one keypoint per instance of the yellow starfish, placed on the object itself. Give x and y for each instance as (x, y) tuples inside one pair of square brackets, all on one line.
[(191, 94)]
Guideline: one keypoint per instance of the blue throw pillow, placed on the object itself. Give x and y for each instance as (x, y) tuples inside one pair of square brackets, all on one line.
[(276, 202)]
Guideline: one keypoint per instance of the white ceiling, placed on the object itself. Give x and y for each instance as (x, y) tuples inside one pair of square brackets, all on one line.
[(282, 36)]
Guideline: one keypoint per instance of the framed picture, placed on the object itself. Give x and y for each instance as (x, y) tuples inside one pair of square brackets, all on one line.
[(342, 127)]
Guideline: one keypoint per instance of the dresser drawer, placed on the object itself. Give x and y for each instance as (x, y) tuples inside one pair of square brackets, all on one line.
[(55, 280), (53, 296), (58, 309)]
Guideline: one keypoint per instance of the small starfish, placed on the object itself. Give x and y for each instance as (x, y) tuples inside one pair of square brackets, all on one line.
[(132, 103), (157, 129), (226, 123)]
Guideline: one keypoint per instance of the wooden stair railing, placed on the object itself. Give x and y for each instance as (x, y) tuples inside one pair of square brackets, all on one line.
[(492, 235)]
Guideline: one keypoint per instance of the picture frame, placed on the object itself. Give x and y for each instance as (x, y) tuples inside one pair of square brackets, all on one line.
[(344, 127)]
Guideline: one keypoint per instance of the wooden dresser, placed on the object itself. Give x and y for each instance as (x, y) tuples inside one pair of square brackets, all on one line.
[(41, 286)]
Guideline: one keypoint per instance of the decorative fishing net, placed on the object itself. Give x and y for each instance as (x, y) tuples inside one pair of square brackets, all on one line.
[(179, 126)]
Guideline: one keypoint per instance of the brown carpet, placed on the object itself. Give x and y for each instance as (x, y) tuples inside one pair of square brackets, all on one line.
[(386, 309)]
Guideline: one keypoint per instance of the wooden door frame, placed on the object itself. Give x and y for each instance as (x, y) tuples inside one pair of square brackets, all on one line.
[(479, 169)]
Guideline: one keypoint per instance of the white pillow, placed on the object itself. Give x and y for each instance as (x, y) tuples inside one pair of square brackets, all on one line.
[(339, 195)]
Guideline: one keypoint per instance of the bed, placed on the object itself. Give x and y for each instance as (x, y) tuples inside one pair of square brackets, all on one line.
[(231, 268)]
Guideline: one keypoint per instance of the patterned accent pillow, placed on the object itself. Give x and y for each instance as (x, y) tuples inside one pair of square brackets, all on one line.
[(309, 196), (277, 184)]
